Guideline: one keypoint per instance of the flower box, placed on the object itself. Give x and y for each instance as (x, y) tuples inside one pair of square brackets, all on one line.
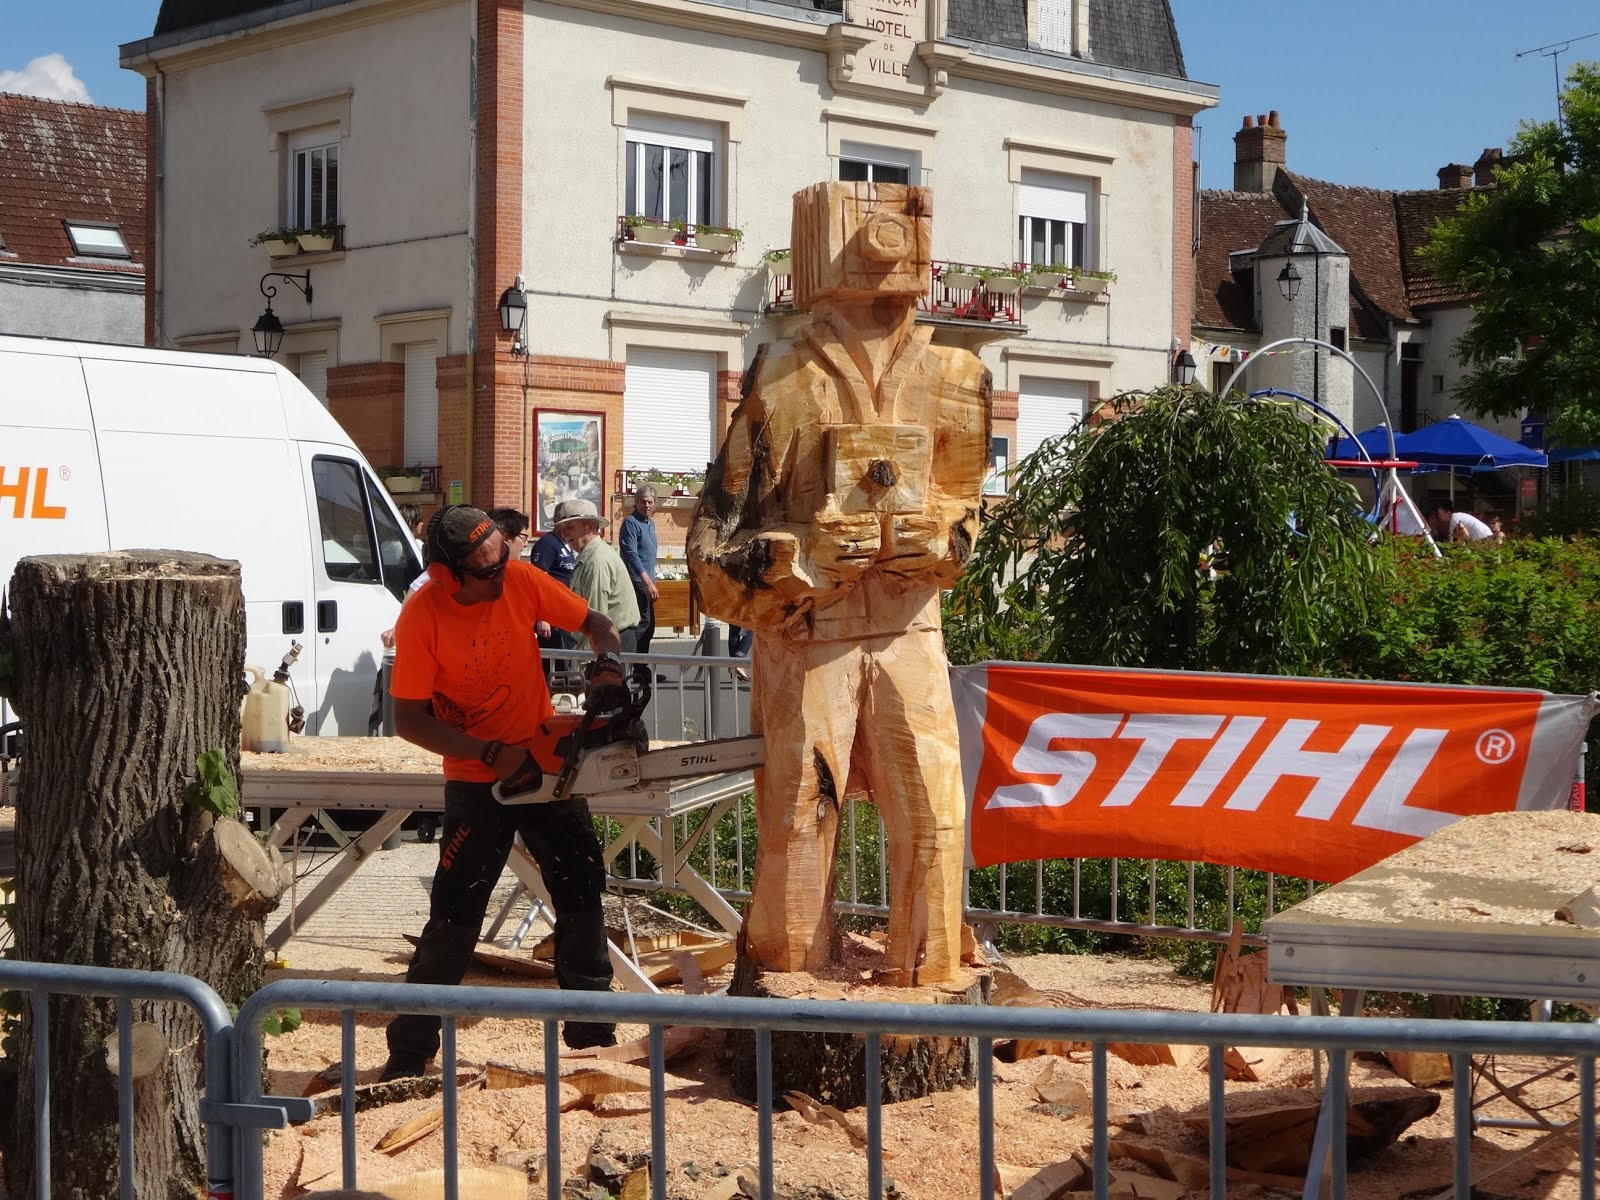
[(316, 243), (1003, 285), (959, 279), (401, 485), (720, 242), (782, 265), (654, 235), (279, 248)]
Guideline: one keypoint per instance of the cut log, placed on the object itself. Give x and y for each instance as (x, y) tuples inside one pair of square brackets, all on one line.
[(150, 1048), (127, 670), (1192, 1171), (1154, 1054), (1420, 1067), (1067, 1093), (253, 873), (1276, 1139), (676, 1040), (1249, 1064), (1048, 1183), (395, 1091), (1010, 990), (1583, 909), (514, 962), (409, 1132), (832, 1066)]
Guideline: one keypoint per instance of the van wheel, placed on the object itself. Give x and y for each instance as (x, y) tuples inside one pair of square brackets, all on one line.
[(426, 828)]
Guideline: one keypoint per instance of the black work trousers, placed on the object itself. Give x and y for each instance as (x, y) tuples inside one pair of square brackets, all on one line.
[(646, 628), (473, 846)]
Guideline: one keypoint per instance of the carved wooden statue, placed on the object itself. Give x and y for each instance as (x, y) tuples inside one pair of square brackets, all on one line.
[(845, 497)]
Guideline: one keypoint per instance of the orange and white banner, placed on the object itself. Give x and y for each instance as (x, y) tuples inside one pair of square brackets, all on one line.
[(1309, 777)]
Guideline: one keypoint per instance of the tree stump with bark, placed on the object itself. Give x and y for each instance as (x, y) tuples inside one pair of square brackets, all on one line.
[(128, 667)]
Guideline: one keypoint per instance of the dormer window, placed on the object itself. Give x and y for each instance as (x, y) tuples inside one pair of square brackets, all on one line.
[(92, 239)]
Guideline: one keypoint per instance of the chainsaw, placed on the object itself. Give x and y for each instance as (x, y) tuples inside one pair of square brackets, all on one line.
[(592, 753)]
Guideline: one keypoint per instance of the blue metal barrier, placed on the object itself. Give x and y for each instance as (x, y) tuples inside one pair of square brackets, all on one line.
[(1336, 1035), (42, 980)]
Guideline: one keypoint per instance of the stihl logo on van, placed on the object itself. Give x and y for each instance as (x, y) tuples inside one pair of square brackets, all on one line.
[(1061, 746), (25, 488)]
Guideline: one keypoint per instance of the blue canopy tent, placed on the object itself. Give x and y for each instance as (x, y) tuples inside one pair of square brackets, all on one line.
[(1374, 441), (1457, 443), (1566, 454)]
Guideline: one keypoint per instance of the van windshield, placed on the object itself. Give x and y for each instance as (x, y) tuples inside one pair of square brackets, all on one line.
[(397, 550)]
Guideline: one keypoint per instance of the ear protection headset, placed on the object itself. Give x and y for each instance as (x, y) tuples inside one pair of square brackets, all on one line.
[(441, 567)]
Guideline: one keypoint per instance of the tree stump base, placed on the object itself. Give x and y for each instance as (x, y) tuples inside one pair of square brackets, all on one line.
[(831, 1067)]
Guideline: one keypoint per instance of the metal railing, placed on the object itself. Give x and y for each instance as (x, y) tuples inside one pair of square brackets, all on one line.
[(1336, 1036), (954, 293), (39, 981)]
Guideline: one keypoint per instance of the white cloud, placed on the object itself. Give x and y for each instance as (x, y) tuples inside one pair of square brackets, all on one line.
[(50, 77)]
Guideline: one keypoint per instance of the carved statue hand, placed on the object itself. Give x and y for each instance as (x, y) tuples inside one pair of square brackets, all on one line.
[(841, 546), (914, 544)]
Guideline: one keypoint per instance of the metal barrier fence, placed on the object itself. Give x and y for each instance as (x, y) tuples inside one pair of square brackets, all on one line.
[(1337, 1036), (42, 980)]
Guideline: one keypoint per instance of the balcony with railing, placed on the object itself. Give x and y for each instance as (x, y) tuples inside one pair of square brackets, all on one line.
[(960, 293)]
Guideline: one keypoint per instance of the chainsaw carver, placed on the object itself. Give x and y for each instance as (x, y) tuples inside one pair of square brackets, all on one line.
[(467, 685)]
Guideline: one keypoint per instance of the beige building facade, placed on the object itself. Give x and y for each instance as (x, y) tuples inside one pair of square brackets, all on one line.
[(625, 168)]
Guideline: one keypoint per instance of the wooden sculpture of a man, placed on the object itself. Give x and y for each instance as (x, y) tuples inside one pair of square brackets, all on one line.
[(845, 497)]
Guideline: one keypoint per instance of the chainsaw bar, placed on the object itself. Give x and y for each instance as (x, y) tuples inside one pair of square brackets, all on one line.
[(702, 758)]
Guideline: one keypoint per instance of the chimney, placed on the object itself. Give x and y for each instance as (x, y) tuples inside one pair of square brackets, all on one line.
[(1483, 169), (1258, 153), (1455, 175)]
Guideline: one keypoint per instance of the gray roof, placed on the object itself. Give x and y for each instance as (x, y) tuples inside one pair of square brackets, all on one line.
[(1297, 235), (1138, 35)]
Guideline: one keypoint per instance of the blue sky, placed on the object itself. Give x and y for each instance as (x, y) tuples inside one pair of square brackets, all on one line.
[(1374, 92)]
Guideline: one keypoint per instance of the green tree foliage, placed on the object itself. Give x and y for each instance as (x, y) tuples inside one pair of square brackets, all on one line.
[(1194, 531), (1528, 253)]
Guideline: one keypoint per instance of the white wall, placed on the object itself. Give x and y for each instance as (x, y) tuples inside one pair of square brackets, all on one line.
[(404, 193)]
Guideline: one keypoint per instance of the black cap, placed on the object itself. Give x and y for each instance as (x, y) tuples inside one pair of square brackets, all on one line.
[(455, 531)]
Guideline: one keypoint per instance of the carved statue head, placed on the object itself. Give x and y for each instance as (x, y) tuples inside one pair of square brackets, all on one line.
[(861, 241)]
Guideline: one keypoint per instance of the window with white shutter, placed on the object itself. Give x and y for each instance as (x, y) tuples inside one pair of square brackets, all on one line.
[(1053, 219), (1055, 25), (422, 404), (672, 172), (312, 369), (1045, 408), (667, 403)]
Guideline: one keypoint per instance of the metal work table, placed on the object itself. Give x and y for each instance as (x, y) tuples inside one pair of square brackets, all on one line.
[(1467, 911), (647, 816)]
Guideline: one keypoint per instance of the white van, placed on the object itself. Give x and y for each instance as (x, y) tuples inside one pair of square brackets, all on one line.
[(117, 447)]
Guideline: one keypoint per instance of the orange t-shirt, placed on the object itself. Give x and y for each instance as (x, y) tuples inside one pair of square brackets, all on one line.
[(479, 663)]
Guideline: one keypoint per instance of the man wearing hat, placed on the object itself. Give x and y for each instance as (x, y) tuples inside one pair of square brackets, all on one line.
[(467, 685), (600, 577)]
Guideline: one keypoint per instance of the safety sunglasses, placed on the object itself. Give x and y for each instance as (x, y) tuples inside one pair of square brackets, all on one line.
[(494, 570)]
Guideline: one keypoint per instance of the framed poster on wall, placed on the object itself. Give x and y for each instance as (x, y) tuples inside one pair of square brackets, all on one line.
[(569, 462)]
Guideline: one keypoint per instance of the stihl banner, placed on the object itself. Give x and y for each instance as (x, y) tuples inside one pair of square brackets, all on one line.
[(1317, 778)]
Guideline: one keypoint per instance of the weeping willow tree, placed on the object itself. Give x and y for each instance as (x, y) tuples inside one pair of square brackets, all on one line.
[(1187, 530)]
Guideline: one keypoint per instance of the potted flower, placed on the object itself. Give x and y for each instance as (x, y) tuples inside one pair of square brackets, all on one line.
[(1052, 275), (1093, 282), (319, 238), (721, 238), (955, 275), (779, 262), (400, 480), (279, 242), (649, 229), (1002, 281)]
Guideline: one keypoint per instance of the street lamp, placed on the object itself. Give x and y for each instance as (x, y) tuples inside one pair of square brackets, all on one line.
[(513, 312), (1289, 281), (268, 330), (1183, 368)]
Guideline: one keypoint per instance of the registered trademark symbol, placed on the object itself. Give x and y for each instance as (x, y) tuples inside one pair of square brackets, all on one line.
[(1495, 746), (65, 472)]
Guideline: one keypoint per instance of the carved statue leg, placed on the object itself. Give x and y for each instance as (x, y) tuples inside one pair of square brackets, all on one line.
[(914, 772), (805, 700)]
